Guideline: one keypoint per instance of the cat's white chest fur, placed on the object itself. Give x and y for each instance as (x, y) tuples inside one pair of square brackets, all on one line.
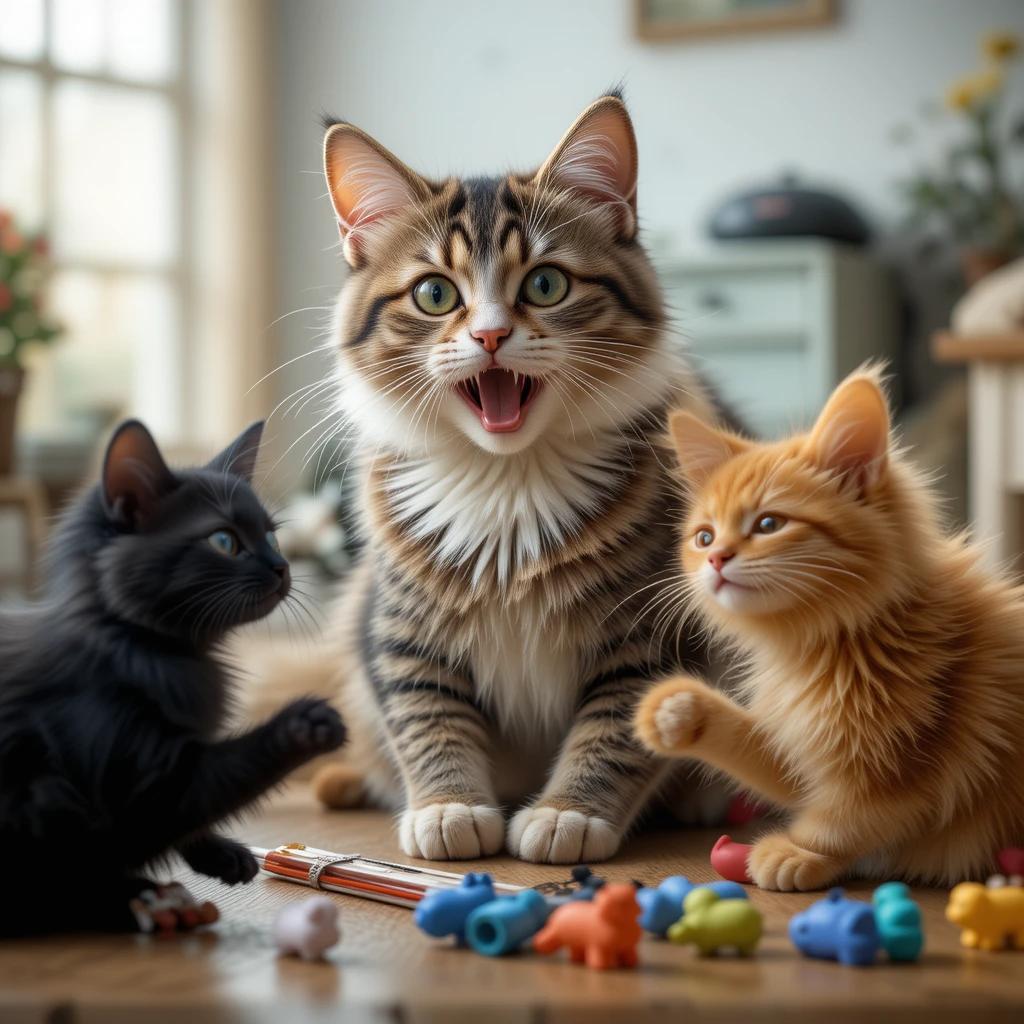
[(526, 672)]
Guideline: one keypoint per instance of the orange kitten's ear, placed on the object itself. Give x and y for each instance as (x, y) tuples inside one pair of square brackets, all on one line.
[(851, 436), (597, 156), (701, 449), (367, 184)]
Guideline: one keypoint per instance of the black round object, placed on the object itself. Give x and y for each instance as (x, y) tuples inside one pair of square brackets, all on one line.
[(789, 211)]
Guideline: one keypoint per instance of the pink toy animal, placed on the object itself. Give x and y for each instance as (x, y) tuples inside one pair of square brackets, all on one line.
[(307, 928), (601, 933), (729, 859)]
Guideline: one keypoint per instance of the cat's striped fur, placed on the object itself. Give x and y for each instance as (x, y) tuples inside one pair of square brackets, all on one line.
[(504, 619)]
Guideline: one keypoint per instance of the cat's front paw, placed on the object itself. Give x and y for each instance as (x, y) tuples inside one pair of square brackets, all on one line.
[(309, 727), (217, 857), (673, 716), (776, 862), (451, 831), (547, 835)]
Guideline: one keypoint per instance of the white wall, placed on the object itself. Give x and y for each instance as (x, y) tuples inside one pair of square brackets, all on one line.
[(477, 86)]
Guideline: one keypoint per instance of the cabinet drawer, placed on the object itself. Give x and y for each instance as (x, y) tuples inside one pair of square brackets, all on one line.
[(771, 390), (748, 300)]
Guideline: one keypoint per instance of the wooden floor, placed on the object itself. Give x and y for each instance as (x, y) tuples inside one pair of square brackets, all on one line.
[(386, 970)]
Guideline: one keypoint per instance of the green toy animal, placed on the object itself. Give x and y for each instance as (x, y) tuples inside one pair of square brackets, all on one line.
[(712, 923)]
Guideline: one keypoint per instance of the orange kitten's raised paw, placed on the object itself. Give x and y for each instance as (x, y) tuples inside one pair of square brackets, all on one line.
[(673, 715), (776, 862), (339, 787)]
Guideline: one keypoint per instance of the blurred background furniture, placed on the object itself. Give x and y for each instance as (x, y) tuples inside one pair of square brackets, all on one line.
[(26, 497), (995, 374), (775, 324)]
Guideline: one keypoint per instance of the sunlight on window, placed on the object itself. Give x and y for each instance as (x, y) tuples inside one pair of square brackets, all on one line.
[(21, 29), (129, 39), (21, 127), (123, 351), (116, 174)]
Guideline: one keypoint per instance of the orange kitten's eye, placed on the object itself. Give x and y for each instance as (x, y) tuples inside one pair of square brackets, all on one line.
[(769, 524), (705, 538)]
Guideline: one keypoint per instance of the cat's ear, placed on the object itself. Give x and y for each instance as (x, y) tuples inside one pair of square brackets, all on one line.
[(597, 156), (239, 458), (367, 185), (851, 436), (135, 476), (701, 448)]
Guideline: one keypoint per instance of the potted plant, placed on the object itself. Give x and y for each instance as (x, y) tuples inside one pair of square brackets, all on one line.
[(23, 271), (965, 195)]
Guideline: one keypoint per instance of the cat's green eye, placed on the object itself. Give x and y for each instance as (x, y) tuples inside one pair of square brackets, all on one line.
[(545, 286), (272, 541), (224, 541), (436, 295), (769, 524), (704, 538)]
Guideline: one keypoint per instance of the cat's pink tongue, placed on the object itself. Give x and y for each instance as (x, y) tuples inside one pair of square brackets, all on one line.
[(501, 400)]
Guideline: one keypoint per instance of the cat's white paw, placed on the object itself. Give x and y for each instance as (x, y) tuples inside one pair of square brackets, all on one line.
[(545, 835), (678, 719), (451, 831)]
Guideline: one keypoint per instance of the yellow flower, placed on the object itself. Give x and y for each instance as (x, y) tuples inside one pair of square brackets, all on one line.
[(1000, 46), (969, 92)]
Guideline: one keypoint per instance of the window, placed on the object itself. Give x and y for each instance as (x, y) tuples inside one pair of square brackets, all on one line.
[(93, 148)]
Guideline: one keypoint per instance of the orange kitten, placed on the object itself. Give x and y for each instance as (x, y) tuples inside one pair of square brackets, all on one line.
[(883, 697)]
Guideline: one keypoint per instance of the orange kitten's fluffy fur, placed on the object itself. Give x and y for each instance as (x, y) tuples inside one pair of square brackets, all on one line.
[(883, 701)]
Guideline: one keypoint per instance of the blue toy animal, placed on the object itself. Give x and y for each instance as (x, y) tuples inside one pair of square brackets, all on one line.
[(837, 928), (501, 926), (898, 919), (662, 905), (444, 912)]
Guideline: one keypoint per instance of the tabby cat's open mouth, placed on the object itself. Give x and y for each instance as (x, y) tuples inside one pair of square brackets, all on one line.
[(499, 397)]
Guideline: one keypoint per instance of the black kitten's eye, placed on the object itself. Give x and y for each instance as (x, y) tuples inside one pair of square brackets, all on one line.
[(705, 538), (272, 541), (769, 524), (545, 286), (224, 541), (435, 295)]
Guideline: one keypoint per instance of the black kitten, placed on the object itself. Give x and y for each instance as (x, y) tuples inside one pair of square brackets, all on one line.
[(111, 693)]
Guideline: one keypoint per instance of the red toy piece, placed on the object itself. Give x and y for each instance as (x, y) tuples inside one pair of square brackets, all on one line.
[(744, 809), (729, 859), (1011, 860), (601, 933)]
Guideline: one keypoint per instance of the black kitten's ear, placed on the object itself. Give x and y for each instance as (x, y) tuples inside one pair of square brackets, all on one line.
[(135, 476), (239, 458)]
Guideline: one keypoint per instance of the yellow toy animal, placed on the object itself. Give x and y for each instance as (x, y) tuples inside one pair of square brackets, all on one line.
[(988, 918)]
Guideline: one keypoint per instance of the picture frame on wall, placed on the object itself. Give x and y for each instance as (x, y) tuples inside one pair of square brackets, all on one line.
[(668, 20)]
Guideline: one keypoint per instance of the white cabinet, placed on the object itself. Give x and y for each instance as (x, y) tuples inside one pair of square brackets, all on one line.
[(774, 325)]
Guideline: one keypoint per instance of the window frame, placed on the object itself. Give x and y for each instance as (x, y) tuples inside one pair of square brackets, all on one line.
[(177, 91)]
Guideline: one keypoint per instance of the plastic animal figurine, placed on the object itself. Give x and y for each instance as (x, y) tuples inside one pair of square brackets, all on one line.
[(601, 933), (729, 859), (443, 912), (504, 924), (898, 919), (662, 905), (837, 928), (988, 918), (307, 928), (712, 923)]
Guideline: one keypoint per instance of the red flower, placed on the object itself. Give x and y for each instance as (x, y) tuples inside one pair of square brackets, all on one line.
[(11, 241)]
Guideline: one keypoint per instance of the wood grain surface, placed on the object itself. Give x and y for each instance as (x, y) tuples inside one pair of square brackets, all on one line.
[(386, 970)]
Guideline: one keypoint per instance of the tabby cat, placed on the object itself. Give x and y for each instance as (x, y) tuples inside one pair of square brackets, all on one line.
[(505, 367), (884, 691)]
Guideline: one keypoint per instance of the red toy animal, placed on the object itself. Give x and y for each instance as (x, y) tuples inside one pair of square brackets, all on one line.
[(729, 859), (601, 933)]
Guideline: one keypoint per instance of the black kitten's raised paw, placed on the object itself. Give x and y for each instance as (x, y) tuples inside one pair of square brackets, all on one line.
[(308, 727), (217, 857)]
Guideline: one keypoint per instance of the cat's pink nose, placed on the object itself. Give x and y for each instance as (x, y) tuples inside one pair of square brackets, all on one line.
[(719, 558), (491, 338)]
